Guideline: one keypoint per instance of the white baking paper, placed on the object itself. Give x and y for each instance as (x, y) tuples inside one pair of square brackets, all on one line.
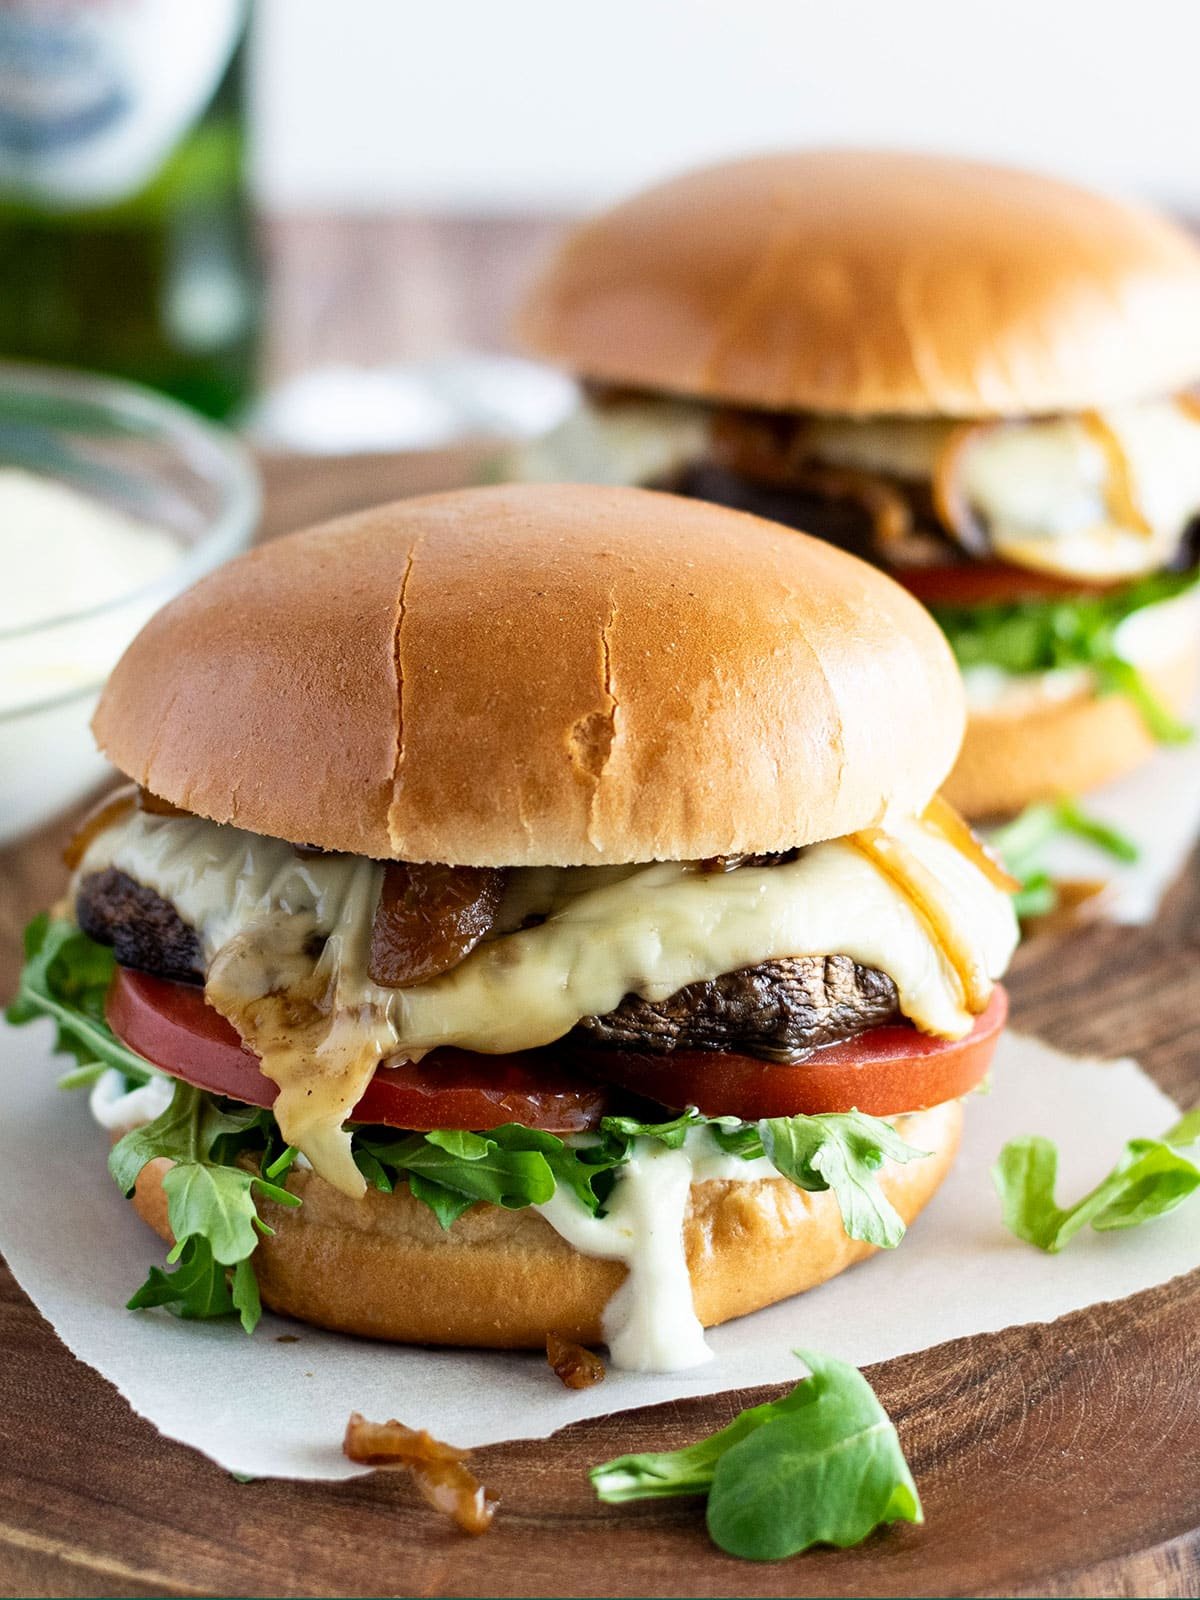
[(1157, 808), (272, 1408)]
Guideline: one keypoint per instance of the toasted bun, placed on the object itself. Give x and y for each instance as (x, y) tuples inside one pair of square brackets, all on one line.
[(866, 281), (383, 1266), (1011, 758), (540, 675)]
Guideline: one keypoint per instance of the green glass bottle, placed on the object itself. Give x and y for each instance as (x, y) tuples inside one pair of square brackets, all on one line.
[(126, 233)]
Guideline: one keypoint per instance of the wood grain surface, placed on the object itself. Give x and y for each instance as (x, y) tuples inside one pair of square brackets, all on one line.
[(1052, 1460)]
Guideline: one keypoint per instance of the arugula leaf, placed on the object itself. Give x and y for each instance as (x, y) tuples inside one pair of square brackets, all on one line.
[(467, 1166), (1021, 845), (198, 1288), (211, 1204), (672, 1133), (1151, 1177), (66, 977), (842, 1151), (1069, 631), (827, 1472), (821, 1465), (668, 1474)]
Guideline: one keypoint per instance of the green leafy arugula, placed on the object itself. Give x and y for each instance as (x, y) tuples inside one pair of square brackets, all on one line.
[(66, 977), (514, 1166), (1151, 1177), (227, 1156), (1073, 631), (211, 1202), (1021, 845), (822, 1465)]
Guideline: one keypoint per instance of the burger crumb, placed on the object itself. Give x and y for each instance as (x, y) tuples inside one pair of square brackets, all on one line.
[(439, 1470), (576, 1367)]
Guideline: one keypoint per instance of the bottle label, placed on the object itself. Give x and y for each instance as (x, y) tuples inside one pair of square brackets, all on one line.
[(95, 94)]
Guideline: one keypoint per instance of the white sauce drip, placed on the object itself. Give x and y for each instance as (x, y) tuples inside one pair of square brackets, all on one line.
[(118, 1108), (650, 1324)]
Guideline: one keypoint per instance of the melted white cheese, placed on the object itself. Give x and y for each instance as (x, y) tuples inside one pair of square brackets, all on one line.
[(1040, 485), (634, 441), (647, 930)]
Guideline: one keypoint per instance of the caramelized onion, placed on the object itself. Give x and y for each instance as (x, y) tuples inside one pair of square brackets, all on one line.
[(438, 1470), (576, 1367), (102, 815), (429, 917), (954, 511), (922, 890), (1120, 496), (942, 817), (157, 806), (776, 450)]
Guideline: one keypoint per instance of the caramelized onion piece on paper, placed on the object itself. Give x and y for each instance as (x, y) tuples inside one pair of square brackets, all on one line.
[(429, 917), (438, 1470), (576, 1367)]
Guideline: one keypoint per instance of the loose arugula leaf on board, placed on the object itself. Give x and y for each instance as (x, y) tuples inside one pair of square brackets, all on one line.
[(829, 1471), (822, 1465), (1151, 1177), (668, 1474), (1022, 843)]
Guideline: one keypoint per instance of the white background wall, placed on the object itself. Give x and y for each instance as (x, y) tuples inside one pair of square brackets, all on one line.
[(492, 105)]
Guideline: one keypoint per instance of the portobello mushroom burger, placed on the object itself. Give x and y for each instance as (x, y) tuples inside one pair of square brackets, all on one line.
[(978, 378), (531, 913)]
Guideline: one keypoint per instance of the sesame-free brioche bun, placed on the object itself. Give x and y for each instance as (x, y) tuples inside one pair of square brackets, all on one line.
[(384, 1267), (857, 282), (1012, 757), (536, 674)]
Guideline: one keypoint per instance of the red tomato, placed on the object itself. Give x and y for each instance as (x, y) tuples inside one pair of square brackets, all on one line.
[(172, 1025), (988, 583), (883, 1072)]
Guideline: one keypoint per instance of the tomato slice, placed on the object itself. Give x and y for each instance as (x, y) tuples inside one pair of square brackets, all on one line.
[(989, 583), (173, 1026), (884, 1072)]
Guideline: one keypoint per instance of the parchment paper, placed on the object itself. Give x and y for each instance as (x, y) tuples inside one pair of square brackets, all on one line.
[(271, 1408)]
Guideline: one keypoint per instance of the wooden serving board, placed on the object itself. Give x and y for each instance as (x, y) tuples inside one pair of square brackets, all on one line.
[(1061, 1459)]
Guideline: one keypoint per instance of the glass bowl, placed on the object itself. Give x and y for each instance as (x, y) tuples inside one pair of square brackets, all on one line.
[(159, 464)]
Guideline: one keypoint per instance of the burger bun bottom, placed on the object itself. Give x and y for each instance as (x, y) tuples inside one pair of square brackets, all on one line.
[(384, 1268)]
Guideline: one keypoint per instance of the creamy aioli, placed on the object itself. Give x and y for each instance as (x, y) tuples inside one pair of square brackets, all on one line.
[(118, 1108)]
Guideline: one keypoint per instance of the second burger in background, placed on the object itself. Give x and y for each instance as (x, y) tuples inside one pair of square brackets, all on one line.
[(973, 376)]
